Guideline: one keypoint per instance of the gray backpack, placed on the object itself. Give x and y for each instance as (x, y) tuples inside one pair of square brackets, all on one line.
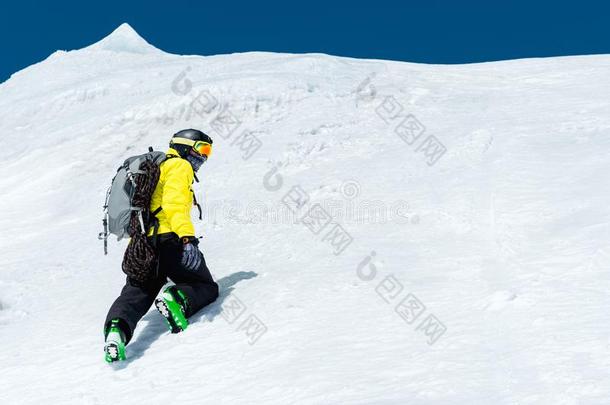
[(127, 214), (129, 197)]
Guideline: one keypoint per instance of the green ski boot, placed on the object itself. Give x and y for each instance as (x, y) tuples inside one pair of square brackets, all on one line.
[(173, 305), (114, 349)]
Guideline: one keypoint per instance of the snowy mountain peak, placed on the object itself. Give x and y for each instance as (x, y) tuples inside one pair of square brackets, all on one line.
[(124, 39), (442, 214)]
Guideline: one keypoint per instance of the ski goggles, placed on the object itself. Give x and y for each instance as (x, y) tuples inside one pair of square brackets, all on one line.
[(200, 147), (203, 148)]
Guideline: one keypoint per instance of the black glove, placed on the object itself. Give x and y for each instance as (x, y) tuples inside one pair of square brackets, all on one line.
[(191, 255)]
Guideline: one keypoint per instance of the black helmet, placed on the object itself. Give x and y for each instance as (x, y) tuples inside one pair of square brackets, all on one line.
[(190, 134)]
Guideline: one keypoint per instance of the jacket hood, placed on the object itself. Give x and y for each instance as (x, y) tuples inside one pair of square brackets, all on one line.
[(172, 151)]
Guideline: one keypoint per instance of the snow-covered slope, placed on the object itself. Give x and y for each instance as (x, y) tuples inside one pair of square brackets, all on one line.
[(473, 202)]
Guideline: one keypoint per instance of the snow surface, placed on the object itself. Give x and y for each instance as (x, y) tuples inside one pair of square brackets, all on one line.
[(503, 239)]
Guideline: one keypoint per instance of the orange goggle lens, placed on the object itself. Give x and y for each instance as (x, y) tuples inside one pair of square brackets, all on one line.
[(203, 148)]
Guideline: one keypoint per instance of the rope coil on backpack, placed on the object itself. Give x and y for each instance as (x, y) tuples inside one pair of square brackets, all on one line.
[(140, 257)]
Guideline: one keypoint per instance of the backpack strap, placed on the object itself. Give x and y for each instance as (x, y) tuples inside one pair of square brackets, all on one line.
[(196, 204), (155, 238)]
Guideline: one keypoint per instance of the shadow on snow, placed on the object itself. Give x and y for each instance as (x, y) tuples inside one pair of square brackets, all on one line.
[(156, 325)]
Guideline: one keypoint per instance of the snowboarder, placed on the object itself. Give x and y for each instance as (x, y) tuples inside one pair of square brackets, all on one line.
[(179, 257)]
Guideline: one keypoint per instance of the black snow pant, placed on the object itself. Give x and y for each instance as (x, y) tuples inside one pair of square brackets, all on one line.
[(136, 298)]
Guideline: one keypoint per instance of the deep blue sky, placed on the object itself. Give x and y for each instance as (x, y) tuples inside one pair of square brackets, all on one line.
[(430, 31)]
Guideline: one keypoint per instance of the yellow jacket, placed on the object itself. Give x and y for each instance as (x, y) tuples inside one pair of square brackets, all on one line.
[(175, 195)]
